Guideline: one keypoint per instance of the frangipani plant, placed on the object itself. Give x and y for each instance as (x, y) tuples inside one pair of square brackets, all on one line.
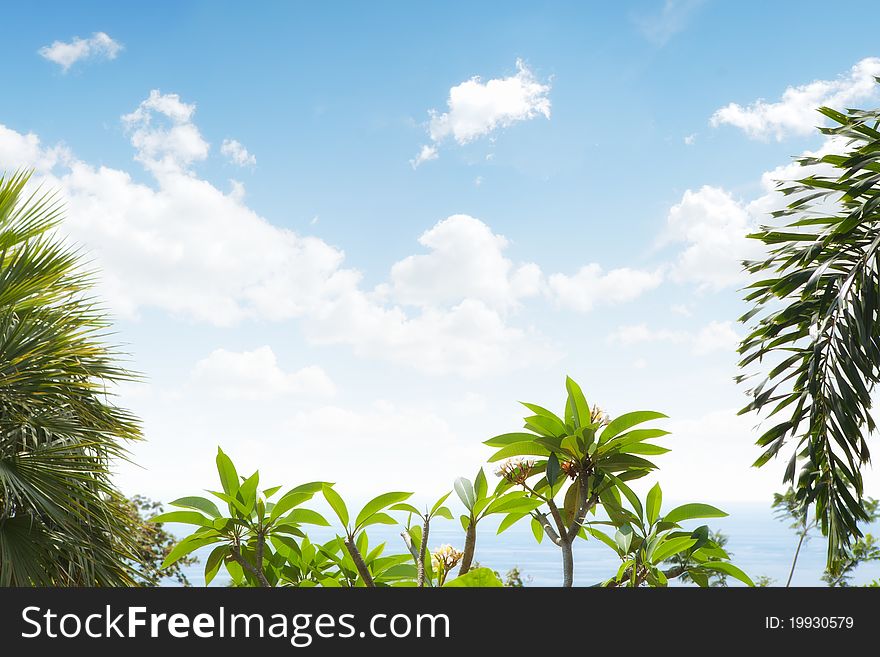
[(574, 458), (644, 539), (254, 533), (557, 472)]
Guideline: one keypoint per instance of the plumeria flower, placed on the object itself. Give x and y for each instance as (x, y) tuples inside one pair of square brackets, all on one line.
[(600, 416), (445, 558), (515, 469)]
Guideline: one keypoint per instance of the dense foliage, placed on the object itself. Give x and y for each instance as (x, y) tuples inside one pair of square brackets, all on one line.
[(814, 327), (558, 472), (62, 522)]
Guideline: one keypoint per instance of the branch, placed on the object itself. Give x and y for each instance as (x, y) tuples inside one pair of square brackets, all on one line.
[(548, 528), (423, 548), (362, 569), (587, 503), (244, 563), (672, 573)]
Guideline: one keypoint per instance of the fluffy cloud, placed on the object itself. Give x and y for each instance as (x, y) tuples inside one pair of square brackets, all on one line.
[(591, 286), (469, 339), (466, 262), (66, 54), (256, 376), (477, 108), (713, 226), (185, 247), (163, 134), (18, 151), (796, 112), (237, 154), (427, 154), (715, 336)]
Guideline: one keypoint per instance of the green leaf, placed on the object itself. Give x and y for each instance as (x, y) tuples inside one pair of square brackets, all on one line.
[(200, 503), (508, 438), (665, 549), (521, 505), (269, 492), (579, 406), (185, 517), (700, 578), (407, 507), (336, 503), (690, 511), (623, 537), (529, 448), (631, 497), (248, 491), (478, 577), (653, 503), (306, 517), (286, 503), (377, 518), (228, 475), (510, 520), (728, 569), (537, 530), (546, 426), (605, 538), (623, 422), (439, 503), (186, 546), (553, 470), (214, 561), (481, 486), (465, 491), (378, 503), (443, 512)]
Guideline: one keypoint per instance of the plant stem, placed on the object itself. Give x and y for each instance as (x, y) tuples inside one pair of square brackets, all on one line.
[(248, 566), (796, 553), (470, 544), (423, 548), (359, 564), (567, 563)]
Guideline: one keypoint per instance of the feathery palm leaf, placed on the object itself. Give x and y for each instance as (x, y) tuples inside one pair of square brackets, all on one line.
[(815, 326), (62, 522)]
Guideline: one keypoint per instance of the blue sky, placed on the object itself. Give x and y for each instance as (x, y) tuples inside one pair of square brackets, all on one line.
[(595, 168)]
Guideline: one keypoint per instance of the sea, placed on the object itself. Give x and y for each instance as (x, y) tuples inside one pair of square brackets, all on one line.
[(758, 543)]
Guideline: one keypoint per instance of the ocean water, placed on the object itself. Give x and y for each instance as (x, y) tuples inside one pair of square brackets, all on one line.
[(758, 543)]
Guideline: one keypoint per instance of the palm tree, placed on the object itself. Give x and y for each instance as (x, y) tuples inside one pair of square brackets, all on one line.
[(62, 522), (816, 327)]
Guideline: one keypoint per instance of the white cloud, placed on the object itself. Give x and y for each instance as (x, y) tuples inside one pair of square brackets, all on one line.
[(715, 336), (674, 17), (466, 262), (237, 154), (20, 151), (690, 139), (163, 134), (590, 286), (256, 376), (185, 247), (713, 225), (427, 154), (469, 339), (477, 109), (795, 113), (66, 54)]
